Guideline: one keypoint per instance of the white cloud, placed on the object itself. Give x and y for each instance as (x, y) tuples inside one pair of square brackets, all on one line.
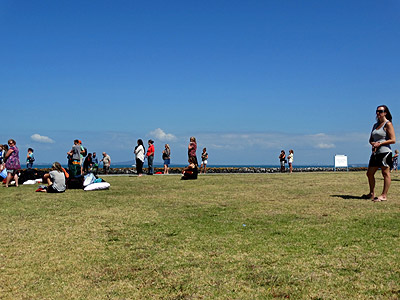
[(159, 134), (41, 139), (325, 146), (319, 135), (280, 140)]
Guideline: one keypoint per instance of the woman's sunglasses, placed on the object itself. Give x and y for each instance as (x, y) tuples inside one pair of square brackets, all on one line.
[(380, 111)]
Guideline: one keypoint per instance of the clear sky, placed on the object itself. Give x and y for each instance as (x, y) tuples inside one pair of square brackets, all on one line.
[(246, 78)]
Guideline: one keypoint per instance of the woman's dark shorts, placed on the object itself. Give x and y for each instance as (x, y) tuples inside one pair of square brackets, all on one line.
[(51, 189), (381, 160)]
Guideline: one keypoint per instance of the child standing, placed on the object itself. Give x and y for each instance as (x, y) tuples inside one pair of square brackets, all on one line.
[(29, 159)]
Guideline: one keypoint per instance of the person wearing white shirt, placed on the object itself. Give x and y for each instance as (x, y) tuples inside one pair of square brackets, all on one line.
[(139, 154)]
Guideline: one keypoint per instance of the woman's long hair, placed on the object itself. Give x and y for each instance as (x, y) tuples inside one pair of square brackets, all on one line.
[(140, 143), (388, 114), (56, 166), (192, 160)]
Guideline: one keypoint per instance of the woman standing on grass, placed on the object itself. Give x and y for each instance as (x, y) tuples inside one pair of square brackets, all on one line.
[(166, 156), (150, 157), (139, 155), (204, 157), (382, 136), (282, 160), (192, 149), (12, 162), (290, 160)]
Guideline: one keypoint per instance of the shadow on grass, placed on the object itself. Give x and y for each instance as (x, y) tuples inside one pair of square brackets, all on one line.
[(347, 197)]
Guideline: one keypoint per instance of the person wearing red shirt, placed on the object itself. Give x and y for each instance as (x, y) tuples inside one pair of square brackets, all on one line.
[(150, 157)]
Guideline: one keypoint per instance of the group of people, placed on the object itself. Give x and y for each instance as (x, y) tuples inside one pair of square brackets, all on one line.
[(283, 159), (80, 162), (9, 161), (190, 172), (382, 136)]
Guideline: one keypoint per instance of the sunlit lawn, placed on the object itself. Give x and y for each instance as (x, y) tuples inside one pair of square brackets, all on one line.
[(264, 236)]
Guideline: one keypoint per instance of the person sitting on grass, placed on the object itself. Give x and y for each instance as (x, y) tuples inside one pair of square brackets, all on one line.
[(55, 179), (191, 171)]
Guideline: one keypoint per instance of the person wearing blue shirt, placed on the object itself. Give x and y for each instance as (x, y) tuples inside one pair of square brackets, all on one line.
[(30, 159), (95, 163)]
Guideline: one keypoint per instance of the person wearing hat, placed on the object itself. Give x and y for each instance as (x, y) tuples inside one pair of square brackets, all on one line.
[(150, 157)]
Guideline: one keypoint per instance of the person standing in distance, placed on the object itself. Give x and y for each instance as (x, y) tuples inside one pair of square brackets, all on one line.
[(75, 159), (12, 162), (139, 155), (282, 160), (166, 156), (204, 158), (106, 162), (150, 157), (290, 161), (395, 160), (30, 159), (192, 149), (95, 164)]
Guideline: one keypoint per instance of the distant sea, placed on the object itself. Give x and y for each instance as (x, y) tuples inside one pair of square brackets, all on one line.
[(158, 165)]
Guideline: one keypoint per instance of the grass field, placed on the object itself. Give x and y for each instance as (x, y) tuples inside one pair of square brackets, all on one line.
[(264, 236)]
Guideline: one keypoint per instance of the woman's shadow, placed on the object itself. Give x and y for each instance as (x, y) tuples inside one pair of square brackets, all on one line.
[(347, 197)]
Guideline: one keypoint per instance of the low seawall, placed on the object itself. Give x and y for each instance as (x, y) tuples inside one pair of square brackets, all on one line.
[(228, 170)]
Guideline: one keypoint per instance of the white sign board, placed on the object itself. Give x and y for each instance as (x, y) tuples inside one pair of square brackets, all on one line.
[(341, 161)]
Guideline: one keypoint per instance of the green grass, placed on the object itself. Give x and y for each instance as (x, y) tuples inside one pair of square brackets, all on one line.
[(264, 236)]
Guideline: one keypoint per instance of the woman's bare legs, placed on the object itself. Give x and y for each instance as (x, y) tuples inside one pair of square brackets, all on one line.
[(371, 181), (8, 179), (16, 179), (386, 182)]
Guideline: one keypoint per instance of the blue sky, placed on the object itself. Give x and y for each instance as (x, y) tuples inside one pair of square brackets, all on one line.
[(246, 78)]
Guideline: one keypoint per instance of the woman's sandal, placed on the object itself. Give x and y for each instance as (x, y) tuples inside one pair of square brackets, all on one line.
[(367, 197), (377, 199)]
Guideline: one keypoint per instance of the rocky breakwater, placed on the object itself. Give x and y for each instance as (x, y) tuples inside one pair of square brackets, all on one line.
[(232, 170)]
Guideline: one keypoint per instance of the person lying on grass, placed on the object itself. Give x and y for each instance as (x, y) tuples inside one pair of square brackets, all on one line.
[(191, 171), (55, 179)]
